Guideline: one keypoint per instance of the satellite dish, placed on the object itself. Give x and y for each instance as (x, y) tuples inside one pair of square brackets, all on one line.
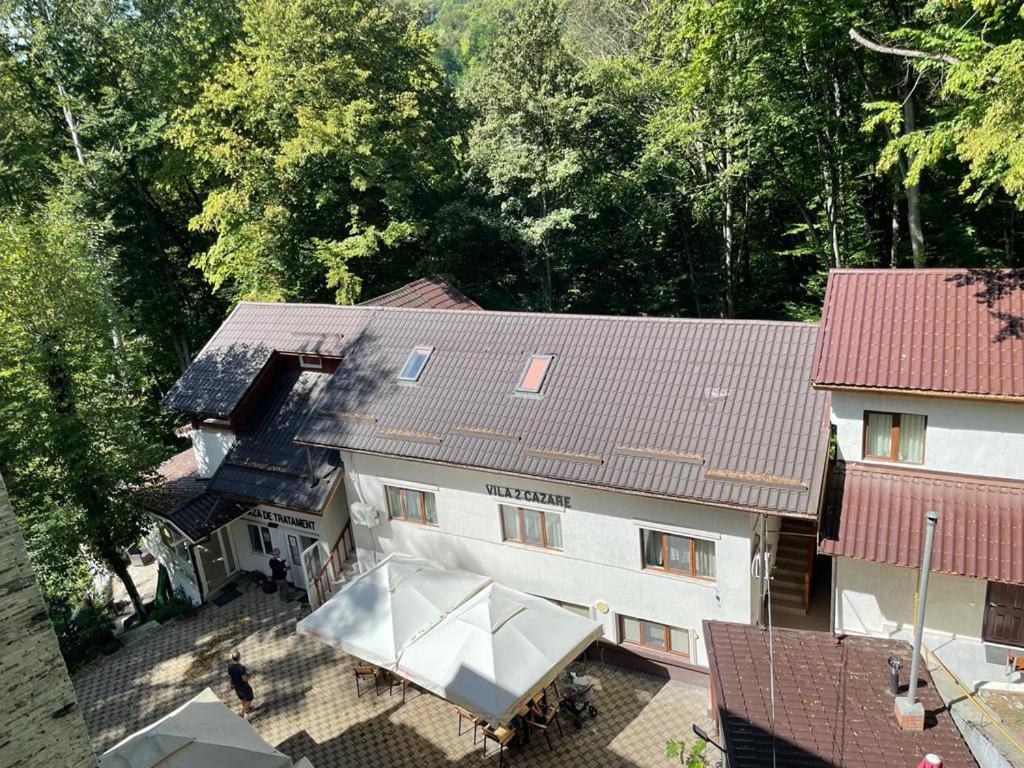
[(365, 514)]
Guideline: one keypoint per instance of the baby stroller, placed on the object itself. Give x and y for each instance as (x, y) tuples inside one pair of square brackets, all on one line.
[(576, 701)]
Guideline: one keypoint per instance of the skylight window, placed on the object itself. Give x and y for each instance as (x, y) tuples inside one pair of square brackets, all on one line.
[(534, 375), (414, 365)]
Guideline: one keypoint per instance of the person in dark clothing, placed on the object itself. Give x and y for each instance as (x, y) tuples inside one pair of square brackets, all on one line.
[(279, 573), (240, 683)]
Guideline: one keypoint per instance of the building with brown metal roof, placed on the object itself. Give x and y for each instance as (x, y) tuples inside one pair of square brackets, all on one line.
[(813, 700), (622, 466), (940, 332), (432, 292), (925, 370)]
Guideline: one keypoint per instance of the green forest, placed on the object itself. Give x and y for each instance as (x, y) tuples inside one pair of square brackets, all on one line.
[(161, 160)]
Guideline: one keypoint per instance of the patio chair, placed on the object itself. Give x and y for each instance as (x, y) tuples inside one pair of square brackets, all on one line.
[(365, 672), (542, 721), (394, 680), (501, 736), (467, 715)]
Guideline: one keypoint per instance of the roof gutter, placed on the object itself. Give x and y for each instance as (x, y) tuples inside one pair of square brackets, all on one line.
[(979, 396)]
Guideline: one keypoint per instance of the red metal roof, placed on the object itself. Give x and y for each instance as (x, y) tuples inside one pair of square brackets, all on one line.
[(952, 331), (432, 292), (877, 513), (832, 708)]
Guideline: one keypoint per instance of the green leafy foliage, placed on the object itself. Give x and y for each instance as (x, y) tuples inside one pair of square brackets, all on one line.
[(177, 605), (323, 140), (691, 756), (83, 631), (163, 159)]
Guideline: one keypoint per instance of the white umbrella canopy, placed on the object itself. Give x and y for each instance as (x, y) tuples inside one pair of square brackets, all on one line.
[(496, 651), (381, 611), (201, 733)]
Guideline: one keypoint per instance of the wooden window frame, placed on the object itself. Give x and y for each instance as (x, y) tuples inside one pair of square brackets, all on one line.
[(894, 438), (668, 636), (521, 527), (690, 574), (422, 504)]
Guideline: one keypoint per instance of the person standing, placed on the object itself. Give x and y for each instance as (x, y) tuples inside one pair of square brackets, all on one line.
[(240, 683), (279, 573)]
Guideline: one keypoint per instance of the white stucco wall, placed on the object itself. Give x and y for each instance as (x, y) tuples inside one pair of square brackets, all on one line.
[(963, 436), (179, 570), (601, 559), (210, 445), (326, 528), (877, 599)]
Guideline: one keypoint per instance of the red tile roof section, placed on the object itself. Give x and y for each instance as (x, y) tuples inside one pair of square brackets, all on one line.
[(951, 331), (877, 513), (177, 481), (832, 706), (432, 292)]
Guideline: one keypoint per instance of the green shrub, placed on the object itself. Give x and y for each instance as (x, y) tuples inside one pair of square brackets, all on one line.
[(178, 604), (82, 631)]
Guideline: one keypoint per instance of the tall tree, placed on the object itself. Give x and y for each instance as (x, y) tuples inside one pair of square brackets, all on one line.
[(532, 108), (327, 143), (73, 404)]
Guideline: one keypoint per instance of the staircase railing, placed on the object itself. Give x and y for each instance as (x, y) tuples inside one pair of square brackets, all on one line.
[(334, 563)]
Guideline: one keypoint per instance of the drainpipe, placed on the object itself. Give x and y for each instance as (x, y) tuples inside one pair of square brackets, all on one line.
[(932, 518), (763, 569)]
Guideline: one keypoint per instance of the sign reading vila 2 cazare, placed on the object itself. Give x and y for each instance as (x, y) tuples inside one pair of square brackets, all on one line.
[(536, 497)]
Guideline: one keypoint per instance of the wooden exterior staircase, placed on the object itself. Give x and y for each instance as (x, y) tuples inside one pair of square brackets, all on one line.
[(338, 568), (794, 563)]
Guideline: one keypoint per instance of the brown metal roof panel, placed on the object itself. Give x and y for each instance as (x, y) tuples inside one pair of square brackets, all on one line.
[(876, 513), (433, 292), (830, 705), (952, 331)]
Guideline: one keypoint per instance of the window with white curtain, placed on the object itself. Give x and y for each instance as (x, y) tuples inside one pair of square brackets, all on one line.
[(531, 526), (678, 554), (894, 436), (650, 634)]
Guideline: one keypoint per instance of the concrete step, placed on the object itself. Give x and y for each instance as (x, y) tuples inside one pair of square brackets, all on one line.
[(786, 603), (786, 563), (787, 577), (788, 588)]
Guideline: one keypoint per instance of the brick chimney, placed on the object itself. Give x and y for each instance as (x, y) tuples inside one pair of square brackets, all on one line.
[(909, 717)]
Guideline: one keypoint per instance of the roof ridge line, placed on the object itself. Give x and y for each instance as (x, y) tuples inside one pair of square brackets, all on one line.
[(531, 313)]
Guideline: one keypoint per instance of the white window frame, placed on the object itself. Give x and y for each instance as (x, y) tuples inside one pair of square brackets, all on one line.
[(419, 350), (314, 362), (263, 541)]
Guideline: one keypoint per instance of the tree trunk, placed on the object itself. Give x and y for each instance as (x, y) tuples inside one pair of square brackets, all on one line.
[(693, 274), (727, 245), (894, 260), (116, 563), (913, 190)]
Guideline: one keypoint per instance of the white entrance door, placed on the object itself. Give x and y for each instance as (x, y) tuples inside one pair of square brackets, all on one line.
[(297, 544), (216, 560)]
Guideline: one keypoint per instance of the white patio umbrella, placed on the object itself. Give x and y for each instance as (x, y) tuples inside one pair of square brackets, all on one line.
[(497, 650), (199, 734), (381, 611)]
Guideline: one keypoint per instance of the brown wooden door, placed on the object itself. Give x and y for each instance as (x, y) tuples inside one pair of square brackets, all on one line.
[(1004, 614)]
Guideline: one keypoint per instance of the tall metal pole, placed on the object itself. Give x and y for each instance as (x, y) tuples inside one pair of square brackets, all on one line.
[(932, 518)]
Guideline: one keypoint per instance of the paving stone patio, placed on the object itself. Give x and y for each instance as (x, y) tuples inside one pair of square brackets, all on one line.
[(309, 706)]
